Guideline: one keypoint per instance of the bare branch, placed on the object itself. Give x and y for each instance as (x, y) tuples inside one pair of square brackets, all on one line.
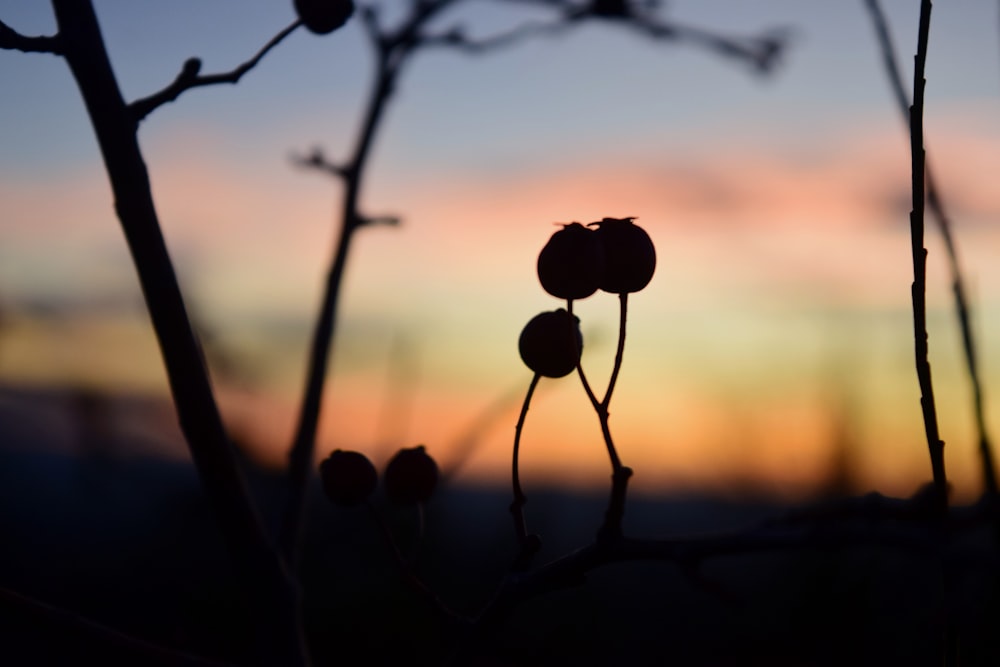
[(189, 77), (456, 37), (387, 220), (317, 160), (762, 52), (15, 41), (936, 205), (919, 252)]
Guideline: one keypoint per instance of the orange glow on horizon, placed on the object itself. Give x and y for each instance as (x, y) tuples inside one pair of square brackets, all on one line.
[(771, 268)]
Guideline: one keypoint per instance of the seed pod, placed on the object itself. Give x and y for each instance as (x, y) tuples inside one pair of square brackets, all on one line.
[(410, 476), (551, 343), (348, 478), (629, 255), (571, 265), (323, 16)]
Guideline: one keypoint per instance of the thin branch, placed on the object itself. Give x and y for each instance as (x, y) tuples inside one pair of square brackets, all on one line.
[(919, 289), (934, 201), (619, 351), (13, 40), (763, 52), (457, 39), (391, 52), (68, 621), (317, 160), (529, 543), (189, 77)]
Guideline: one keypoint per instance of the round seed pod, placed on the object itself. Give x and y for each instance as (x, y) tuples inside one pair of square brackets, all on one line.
[(551, 343), (410, 476), (323, 16), (571, 265), (348, 478), (629, 255)]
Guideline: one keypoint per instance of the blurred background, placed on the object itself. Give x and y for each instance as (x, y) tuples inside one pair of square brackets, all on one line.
[(772, 351)]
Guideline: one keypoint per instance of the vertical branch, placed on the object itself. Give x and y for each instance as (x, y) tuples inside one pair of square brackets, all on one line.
[(302, 453), (919, 288), (391, 52), (262, 571), (936, 205)]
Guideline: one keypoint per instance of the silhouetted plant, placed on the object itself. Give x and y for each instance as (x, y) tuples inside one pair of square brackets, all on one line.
[(393, 47), (616, 257)]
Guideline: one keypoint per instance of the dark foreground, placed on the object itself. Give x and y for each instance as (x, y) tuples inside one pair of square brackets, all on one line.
[(132, 545)]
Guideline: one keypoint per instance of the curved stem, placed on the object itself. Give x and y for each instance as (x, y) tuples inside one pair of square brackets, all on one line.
[(619, 353), (586, 387), (517, 507)]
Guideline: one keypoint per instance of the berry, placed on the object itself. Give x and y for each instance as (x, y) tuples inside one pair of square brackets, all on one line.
[(571, 265), (629, 255), (410, 476), (348, 477), (323, 16), (551, 343)]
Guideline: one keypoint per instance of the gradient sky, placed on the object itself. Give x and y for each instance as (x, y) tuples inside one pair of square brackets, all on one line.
[(777, 324)]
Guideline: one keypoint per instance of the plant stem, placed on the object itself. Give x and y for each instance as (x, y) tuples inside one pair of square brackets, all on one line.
[(619, 353), (517, 506), (919, 252), (302, 452), (936, 205), (262, 570)]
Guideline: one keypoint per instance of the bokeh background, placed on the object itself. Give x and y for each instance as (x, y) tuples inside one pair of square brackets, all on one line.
[(772, 351)]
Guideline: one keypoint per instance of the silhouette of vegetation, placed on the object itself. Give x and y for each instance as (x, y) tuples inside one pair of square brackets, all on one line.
[(921, 534)]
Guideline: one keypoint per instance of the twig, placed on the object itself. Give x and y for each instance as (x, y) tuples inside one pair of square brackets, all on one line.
[(11, 39), (919, 288), (317, 160), (619, 351), (934, 443), (763, 52), (69, 621), (189, 77), (457, 39), (529, 543), (934, 201)]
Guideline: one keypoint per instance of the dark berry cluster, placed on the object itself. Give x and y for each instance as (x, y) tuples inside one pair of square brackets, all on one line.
[(349, 478), (612, 255)]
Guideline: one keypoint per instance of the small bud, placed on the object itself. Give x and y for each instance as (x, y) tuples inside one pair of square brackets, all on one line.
[(551, 343), (348, 478), (410, 476)]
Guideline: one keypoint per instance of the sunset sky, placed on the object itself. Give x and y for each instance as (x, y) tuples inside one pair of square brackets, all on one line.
[(777, 324)]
